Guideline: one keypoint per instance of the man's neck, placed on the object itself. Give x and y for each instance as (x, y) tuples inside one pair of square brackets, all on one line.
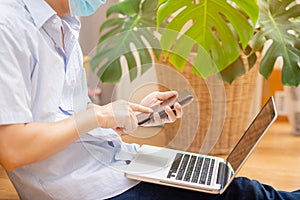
[(60, 6)]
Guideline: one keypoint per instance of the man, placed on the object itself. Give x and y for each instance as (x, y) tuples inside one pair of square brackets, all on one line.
[(54, 144), (51, 143)]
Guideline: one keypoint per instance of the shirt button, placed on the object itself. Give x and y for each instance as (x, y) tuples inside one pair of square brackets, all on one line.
[(54, 21)]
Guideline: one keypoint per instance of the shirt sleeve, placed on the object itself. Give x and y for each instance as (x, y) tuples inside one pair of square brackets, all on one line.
[(15, 101)]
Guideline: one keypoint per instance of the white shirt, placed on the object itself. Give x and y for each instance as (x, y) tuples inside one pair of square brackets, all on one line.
[(42, 81)]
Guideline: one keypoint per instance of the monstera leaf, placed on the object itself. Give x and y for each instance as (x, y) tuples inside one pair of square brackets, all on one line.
[(223, 28), (123, 33), (280, 22)]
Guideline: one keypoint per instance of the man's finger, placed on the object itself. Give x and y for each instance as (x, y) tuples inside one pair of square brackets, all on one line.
[(178, 110), (171, 114), (166, 95), (139, 108)]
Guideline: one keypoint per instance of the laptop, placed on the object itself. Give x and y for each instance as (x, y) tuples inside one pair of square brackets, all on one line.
[(199, 172)]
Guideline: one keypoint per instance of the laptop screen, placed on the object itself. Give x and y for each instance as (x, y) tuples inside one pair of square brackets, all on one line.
[(253, 134)]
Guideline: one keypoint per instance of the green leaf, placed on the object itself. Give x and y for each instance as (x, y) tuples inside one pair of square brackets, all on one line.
[(115, 69), (203, 65), (144, 57), (127, 34), (280, 23), (257, 41), (131, 65), (181, 54), (219, 26), (109, 23), (112, 32), (126, 7), (161, 2), (251, 56), (250, 8), (238, 67), (233, 71), (126, 44)]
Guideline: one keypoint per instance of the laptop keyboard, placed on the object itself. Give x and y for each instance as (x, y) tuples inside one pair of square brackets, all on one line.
[(191, 168)]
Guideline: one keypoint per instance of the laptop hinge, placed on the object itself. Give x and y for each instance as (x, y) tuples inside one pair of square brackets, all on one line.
[(223, 172)]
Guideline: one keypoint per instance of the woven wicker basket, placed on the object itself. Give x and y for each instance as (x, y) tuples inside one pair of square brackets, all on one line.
[(224, 117)]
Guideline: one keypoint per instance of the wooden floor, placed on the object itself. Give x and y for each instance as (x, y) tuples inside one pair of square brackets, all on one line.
[(7, 190), (275, 161)]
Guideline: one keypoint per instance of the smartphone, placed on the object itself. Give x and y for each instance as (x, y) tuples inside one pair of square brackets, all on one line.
[(160, 108)]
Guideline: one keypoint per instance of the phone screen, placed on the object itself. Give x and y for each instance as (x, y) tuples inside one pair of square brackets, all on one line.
[(160, 108)]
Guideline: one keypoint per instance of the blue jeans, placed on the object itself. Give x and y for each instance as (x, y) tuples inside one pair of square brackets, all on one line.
[(239, 189)]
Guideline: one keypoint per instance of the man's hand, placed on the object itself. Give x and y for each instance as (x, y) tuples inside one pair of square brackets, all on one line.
[(119, 115), (156, 98)]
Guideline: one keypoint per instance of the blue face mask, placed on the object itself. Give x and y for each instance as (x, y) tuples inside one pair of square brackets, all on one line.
[(84, 7)]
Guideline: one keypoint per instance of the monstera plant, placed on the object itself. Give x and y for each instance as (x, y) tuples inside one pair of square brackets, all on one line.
[(129, 22), (279, 22), (217, 31)]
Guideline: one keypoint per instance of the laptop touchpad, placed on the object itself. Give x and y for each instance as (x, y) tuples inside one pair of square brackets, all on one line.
[(147, 163), (153, 160)]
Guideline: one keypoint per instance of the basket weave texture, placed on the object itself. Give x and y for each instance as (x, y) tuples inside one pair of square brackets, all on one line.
[(223, 111)]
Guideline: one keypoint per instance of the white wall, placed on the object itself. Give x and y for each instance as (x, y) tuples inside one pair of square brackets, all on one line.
[(89, 36)]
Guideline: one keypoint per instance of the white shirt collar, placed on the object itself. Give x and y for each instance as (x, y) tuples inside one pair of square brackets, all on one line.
[(40, 11)]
